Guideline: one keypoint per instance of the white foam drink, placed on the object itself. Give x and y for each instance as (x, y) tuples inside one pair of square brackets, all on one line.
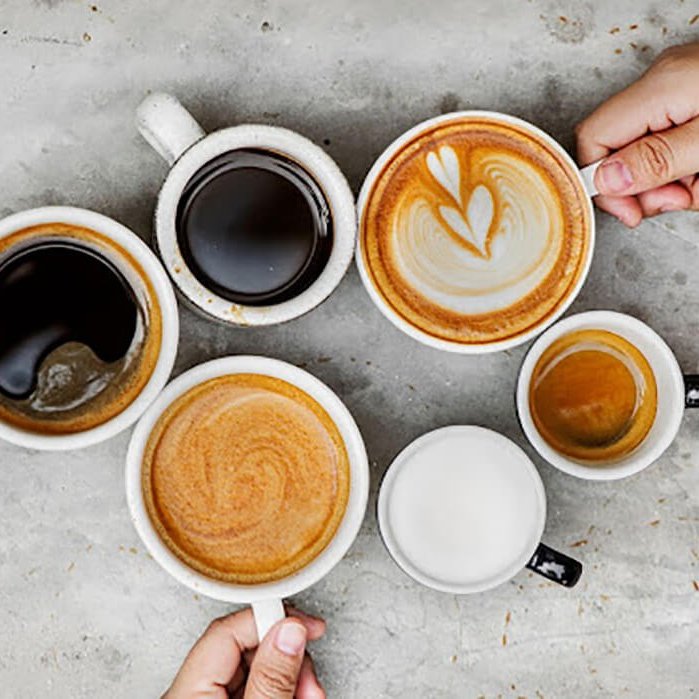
[(462, 509)]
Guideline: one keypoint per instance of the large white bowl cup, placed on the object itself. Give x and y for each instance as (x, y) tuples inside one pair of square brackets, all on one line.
[(265, 598), (585, 178)]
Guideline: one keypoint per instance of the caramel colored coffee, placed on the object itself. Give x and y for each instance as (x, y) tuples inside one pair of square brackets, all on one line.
[(80, 329), (476, 231), (593, 396), (246, 478)]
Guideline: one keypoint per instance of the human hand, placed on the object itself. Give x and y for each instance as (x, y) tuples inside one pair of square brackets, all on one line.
[(651, 130), (228, 662)]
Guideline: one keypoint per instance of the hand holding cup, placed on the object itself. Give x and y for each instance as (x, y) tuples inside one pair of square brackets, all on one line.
[(649, 136)]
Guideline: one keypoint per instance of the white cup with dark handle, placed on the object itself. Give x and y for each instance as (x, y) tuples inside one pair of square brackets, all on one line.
[(462, 509), (675, 392)]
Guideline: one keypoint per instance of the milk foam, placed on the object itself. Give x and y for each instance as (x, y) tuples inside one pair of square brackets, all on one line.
[(479, 248), (463, 507)]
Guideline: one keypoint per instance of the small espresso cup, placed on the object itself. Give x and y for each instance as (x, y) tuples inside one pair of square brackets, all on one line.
[(462, 510), (265, 598), (675, 392), (99, 410), (459, 256), (197, 161)]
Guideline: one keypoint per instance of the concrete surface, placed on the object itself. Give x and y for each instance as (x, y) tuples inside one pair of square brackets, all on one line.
[(84, 612)]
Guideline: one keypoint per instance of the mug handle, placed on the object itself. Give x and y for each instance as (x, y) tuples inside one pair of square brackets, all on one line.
[(167, 125), (267, 613), (588, 177), (691, 390), (555, 566)]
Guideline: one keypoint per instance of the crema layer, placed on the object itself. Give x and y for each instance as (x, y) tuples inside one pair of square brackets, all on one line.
[(475, 231), (246, 478)]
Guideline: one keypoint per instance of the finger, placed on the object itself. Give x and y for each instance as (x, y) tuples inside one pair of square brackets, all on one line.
[(664, 96), (277, 664), (626, 209), (314, 624), (651, 161), (308, 686), (237, 683), (215, 657), (248, 657), (623, 118), (669, 197), (694, 190)]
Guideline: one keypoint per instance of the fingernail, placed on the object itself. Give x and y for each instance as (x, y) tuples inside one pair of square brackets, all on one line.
[(291, 638), (628, 221), (615, 177)]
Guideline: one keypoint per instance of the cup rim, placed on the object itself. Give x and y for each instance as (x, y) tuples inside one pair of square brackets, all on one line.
[(351, 520), (127, 239), (605, 320), (385, 307), (394, 551), (308, 155)]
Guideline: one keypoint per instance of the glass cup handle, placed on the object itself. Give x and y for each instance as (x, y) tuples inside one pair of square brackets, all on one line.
[(588, 177), (555, 566), (267, 613), (167, 125)]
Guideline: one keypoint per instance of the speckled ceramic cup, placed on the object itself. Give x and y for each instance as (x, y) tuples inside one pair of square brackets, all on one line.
[(178, 138)]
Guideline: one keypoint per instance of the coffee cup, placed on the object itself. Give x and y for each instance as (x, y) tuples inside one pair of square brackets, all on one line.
[(462, 510), (476, 231), (246, 473), (88, 328), (671, 393), (255, 224)]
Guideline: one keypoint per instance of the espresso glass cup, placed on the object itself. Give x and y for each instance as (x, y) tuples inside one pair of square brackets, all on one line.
[(473, 223), (265, 598), (442, 487), (121, 248), (674, 393), (178, 138)]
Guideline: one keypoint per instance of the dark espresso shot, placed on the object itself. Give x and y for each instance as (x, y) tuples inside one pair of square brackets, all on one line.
[(55, 294), (254, 227)]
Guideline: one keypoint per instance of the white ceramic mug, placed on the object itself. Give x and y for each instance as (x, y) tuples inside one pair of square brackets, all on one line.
[(674, 391), (265, 598), (177, 137), (151, 266), (441, 488), (586, 181)]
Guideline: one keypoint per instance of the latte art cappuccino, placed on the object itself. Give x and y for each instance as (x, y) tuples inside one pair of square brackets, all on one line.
[(475, 231)]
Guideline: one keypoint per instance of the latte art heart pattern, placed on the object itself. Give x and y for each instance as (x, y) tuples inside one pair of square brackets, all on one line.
[(474, 224), (497, 250), (475, 232)]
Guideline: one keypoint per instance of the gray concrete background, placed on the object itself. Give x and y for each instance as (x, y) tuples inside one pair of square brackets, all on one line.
[(84, 612)]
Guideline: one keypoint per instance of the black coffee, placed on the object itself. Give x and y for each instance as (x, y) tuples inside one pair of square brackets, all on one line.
[(55, 294), (254, 227)]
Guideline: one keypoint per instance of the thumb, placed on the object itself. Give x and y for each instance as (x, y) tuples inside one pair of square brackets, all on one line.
[(277, 663), (651, 161)]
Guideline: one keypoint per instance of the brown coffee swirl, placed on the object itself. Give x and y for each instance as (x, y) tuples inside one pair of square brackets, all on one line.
[(246, 478), (475, 231), (75, 385)]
